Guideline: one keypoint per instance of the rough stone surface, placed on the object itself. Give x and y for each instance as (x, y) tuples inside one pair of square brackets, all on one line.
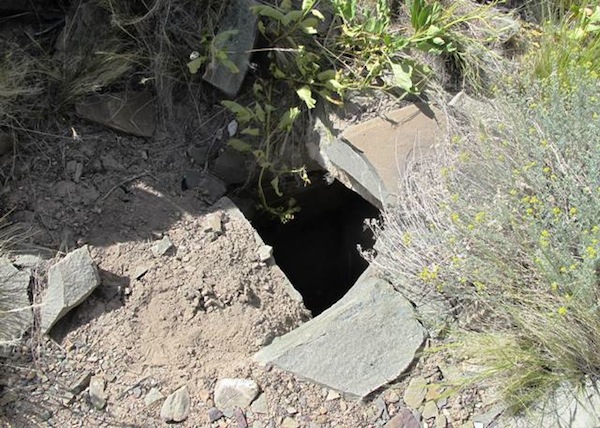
[(568, 408), (230, 167), (153, 396), (177, 406), (97, 392), (238, 46), (370, 157), (133, 113), (364, 341), (81, 382), (232, 393), (430, 410), (214, 414), (404, 419), (415, 393), (260, 405), (162, 246), (290, 423), (14, 297), (70, 282), (265, 253), (233, 211)]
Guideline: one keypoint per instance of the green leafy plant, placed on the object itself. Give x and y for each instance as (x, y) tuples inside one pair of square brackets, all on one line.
[(573, 42)]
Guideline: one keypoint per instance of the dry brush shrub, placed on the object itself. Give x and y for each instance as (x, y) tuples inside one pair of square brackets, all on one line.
[(506, 220)]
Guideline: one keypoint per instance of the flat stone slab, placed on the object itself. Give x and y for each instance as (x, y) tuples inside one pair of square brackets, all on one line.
[(390, 143), (240, 24), (364, 341), (70, 282), (15, 309), (372, 157), (133, 113)]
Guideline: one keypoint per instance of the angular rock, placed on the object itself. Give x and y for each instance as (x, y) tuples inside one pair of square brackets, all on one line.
[(81, 383), (415, 392), (177, 406), (568, 407), (214, 414), (152, 397), (240, 418), (14, 297), (441, 421), (236, 37), (199, 155), (162, 246), (210, 187), (367, 339), (260, 405), (70, 282), (371, 157), (230, 167), (214, 223), (290, 423), (430, 410), (133, 113), (404, 419), (97, 392), (265, 252), (232, 393)]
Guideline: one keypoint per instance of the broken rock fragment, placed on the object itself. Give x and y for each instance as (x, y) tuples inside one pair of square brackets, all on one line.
[(70, 282), (232, 393)]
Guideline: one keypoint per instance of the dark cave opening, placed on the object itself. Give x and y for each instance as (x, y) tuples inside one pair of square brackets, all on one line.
[(318, 249)]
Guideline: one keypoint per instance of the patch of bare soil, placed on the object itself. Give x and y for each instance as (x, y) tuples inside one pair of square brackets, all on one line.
[(191, 316)]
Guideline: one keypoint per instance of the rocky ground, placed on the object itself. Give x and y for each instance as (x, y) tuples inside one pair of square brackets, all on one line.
[(182, 318)]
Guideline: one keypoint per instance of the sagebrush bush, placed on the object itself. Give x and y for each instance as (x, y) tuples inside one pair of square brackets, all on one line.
[(507, 221)]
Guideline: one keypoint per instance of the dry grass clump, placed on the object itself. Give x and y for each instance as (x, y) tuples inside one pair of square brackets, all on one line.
[(505, 225)]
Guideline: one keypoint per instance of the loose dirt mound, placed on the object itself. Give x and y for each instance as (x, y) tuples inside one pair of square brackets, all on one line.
[(189, 317)]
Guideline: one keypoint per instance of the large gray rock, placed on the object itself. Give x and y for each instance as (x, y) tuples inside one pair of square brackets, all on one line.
[(364, 341), (70, 282), (133, 113), (241, 25), (567, 408), (15, 310), (371, 157)]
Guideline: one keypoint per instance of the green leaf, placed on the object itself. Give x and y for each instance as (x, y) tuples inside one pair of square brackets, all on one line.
[(239, 145), (286, 5), (305, 95), (307, 4), (230, 65), (267, 11), (253, 132), (309, 25), (402, 76), (243, 114), (334, 85), (195, 64), (438, 41), (259, 113), (287, 120), (275, 186), (326, 75), (293, 16)]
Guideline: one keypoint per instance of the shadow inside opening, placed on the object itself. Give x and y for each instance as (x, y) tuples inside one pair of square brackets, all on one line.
[(318, 249)]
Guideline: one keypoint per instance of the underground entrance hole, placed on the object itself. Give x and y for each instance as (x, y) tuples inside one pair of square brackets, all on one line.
[(318, 249)]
